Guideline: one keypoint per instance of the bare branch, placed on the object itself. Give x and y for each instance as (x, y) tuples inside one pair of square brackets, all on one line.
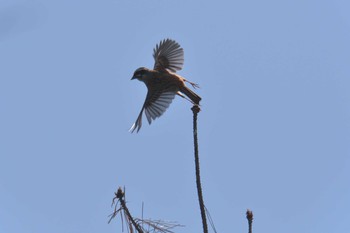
[(249, 214), (136, 224)]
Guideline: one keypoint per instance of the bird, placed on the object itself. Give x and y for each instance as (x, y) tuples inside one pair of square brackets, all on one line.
[(162, 82)]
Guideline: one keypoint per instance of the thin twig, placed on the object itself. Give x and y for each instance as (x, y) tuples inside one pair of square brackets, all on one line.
[(196, 110), (159, 225), (210, 219)]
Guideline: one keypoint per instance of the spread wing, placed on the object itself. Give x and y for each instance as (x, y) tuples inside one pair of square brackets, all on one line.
[(168, 55), (156, 103)]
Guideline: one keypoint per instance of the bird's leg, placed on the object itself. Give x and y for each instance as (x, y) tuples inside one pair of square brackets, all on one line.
[(183, 96), (194, 85)]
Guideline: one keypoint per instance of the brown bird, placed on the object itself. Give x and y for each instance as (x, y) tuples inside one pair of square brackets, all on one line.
[(162, 82)]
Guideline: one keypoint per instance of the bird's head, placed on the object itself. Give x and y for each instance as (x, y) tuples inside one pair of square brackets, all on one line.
[(140, 73)]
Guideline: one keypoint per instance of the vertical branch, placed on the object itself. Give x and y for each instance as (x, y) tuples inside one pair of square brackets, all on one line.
[(196, 110), (250, 220)]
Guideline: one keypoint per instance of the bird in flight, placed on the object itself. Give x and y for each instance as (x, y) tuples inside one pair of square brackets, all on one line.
[(162, 82)]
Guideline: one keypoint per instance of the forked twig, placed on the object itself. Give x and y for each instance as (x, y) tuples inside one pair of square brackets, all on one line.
[(211, 221), (136, 224), (159, 225), (120, 197)]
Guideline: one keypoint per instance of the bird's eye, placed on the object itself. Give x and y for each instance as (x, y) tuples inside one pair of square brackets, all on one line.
[(139, 74)]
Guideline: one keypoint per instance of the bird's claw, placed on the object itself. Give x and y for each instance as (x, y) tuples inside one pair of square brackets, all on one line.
[(194, 85)]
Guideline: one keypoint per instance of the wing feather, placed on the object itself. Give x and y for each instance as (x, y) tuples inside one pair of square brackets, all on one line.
[(159, 106), (138, 123), (154, 110), (168, 55)]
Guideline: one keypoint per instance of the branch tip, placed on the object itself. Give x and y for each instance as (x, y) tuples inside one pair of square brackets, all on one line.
[(249, 214), (196, 109), (119, 194)]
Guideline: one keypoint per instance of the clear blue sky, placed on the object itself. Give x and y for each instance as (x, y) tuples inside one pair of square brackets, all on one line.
[(274, 131)]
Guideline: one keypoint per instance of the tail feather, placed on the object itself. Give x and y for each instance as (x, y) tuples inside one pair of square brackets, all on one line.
[(190, 94)]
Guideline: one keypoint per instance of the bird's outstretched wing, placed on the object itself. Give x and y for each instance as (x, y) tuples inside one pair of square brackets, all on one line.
[(156, 103), (168, 55)]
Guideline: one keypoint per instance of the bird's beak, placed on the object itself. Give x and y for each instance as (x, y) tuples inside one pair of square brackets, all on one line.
[(133, 77)]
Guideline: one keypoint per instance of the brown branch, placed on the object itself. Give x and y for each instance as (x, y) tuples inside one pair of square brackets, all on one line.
[(249, 214), (196, 110)]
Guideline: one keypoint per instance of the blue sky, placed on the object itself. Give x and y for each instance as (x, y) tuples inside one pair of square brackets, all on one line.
[(274, 128)]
